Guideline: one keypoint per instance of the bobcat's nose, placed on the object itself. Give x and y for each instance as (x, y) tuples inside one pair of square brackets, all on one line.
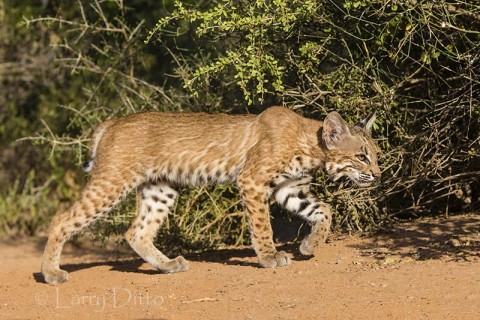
[(376, 174)]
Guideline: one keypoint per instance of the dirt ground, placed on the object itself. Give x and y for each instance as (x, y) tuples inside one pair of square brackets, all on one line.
[(427, 269)]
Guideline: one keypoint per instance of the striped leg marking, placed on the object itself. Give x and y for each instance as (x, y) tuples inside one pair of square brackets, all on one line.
[(294, 196), (154, 201)]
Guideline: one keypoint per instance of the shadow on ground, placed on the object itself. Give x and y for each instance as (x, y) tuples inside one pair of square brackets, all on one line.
[(236, 257), (456, 238)]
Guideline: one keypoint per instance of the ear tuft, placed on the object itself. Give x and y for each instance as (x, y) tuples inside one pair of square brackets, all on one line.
[(334, 130), (366, 124)]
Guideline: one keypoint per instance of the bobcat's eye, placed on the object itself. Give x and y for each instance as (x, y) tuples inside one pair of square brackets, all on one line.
[(363, 158)]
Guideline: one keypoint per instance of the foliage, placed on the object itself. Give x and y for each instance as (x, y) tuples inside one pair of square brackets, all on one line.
[(27, 208), (416, 63), (250, 28), (67, 68)]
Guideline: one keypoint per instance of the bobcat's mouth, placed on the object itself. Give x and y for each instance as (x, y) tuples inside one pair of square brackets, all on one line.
[(362, 183), (360, 179), (364, 180)]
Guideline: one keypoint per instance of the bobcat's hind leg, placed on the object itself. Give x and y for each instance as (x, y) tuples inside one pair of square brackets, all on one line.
[(294, 195), (96, 200), (154, 200)]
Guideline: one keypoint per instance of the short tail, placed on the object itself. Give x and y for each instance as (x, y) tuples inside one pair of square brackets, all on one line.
[(96, 138)]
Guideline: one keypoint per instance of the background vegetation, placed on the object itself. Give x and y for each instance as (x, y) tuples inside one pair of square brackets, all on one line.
[(66, 66)]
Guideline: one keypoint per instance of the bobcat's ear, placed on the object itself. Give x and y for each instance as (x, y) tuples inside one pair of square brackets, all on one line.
[(366, 124), (335, 130)]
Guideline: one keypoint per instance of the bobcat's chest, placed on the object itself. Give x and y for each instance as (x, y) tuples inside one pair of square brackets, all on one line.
[(301, 165)]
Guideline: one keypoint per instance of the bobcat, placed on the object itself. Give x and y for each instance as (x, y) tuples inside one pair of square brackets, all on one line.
[(272, 154)]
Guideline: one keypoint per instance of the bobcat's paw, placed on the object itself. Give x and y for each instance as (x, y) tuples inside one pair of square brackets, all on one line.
[(55, 276), (309, 245), (278, 259), (179, 264)]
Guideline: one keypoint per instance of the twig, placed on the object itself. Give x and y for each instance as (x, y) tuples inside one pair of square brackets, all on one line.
[(200, 300)]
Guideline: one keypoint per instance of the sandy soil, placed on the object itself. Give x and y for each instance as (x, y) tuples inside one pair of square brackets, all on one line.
[(428, 269)]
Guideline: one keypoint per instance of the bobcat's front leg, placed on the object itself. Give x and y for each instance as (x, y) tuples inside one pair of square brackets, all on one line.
[(255, 199), (317, 236), (294, 195)]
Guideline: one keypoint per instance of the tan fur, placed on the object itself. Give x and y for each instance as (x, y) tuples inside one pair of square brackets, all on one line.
[(272, 154)]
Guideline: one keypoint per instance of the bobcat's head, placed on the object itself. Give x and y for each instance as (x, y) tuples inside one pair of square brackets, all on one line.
[(349, 150)]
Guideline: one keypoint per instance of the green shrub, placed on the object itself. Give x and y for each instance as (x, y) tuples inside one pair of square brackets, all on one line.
[(416, 63)]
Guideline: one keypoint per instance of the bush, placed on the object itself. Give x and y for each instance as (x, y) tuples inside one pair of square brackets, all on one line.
[(415, 63)]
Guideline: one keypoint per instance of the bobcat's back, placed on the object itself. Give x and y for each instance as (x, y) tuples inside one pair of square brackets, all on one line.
[(183, 148)]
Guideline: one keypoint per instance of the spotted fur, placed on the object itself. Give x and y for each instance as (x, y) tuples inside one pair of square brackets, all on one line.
[(270, 155)]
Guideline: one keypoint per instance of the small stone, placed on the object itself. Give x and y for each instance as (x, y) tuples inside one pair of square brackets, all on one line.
[(455, 242), (390, 260)]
